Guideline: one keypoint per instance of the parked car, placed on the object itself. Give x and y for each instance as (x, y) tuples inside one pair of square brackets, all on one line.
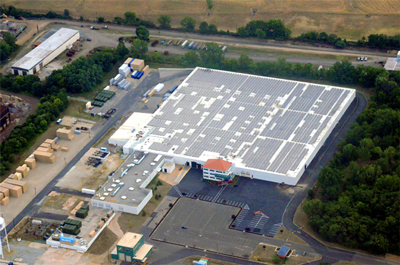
[(366, 58), (89, 39), (358, 59)]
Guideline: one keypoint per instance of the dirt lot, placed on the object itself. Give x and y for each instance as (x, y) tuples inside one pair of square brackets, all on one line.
[(331, 16), (58, 204), (84, 176), (103, 243)]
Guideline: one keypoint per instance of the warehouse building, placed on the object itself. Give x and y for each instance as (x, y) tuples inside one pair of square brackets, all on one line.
[(267, 128), (43, 54)]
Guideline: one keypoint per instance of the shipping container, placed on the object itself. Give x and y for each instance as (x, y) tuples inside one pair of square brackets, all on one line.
[(158, 87), (169, 42), (191, 45), (184, 44), (195, 46), (147, 93), (173, 89)]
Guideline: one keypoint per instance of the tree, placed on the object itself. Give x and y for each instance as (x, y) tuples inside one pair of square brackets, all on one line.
[(130, 18), (5, 50), (118, 20), (81, 18), (261, 34), (66, 12), (203, 27), (213, 56), (209, 4), (212, 29), (165, 21), (188, 23), (142, 33), (100, 19), (122, 50), (191, 58), (9, 39), (139, 48), (340, 44), (244, 62)]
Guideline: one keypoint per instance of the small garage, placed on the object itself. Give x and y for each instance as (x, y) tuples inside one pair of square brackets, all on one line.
[(168, 167)]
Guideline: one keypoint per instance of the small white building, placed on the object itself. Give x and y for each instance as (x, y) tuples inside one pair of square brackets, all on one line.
[(168, 167), (393, 64), (217, 170), (43, 54)]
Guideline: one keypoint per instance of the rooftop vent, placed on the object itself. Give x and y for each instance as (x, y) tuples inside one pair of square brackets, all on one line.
[(113, 185), (106, 194), (123, 197), (131, 188), (102, 198), (109, 189)]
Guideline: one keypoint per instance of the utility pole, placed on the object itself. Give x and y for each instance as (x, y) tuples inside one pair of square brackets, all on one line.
[(65, 160)]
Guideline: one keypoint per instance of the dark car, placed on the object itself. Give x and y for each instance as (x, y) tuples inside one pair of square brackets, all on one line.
[(89, 39)]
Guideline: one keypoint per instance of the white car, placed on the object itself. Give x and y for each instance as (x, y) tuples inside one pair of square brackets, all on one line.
[(366, 58)]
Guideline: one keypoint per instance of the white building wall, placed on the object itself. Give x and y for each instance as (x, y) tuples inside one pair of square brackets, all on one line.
[(60, 49)]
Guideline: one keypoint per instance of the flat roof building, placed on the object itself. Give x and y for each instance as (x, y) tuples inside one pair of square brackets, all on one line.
[(44, 53), (268, 128), (131, 248), (393, 64)]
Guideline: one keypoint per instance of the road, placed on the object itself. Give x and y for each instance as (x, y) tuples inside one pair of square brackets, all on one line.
[(258, 50)]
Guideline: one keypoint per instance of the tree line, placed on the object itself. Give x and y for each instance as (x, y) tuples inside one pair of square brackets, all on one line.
[(357, 197), (272, 29), (80, 76), (381, 41)]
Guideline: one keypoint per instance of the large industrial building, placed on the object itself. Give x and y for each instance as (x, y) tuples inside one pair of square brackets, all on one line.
[(268, 128), (43, 54)]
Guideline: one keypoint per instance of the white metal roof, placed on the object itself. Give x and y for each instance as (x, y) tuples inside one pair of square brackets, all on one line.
[(131, 126), (38, 54), (392, 64), (257, 122)]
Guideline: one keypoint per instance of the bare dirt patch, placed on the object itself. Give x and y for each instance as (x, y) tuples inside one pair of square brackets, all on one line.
[(103, 243), (89, 177)]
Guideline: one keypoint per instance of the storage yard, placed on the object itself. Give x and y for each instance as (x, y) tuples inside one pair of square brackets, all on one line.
[(84, 175)]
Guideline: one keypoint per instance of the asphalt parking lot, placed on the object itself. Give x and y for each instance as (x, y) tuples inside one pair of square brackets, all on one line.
[(268, 200)]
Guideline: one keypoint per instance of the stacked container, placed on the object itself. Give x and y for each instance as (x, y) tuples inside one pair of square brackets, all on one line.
[(124, 70), (158, 87), (121, 83)]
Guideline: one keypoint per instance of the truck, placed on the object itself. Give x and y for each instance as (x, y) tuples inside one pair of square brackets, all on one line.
[(224, 49), (105, 27), (94, 28), (184, 44)]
